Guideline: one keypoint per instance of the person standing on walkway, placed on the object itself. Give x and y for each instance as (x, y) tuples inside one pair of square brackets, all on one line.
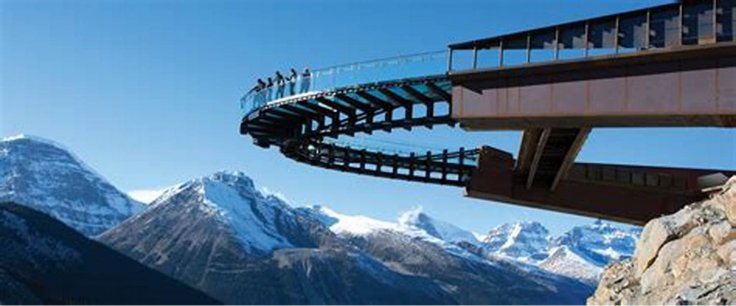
[(306, 80), (260, 92), (269, 89), (280, 84), (292, 81), (255, 88)]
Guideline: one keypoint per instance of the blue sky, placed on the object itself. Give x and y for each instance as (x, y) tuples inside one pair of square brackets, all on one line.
[(147, 91)]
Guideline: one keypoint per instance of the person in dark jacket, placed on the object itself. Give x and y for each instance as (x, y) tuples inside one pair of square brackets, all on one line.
[(292, 81), (255, 88), (280, 84), (306, 80), (260, 92), (269, 89)]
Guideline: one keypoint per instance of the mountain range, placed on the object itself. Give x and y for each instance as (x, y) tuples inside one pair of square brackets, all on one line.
[(223, 236)]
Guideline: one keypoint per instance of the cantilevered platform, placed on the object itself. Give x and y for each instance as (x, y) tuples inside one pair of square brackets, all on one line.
[(672, 65)]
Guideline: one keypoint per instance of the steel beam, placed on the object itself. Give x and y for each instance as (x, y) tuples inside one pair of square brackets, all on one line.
[(631, 194)]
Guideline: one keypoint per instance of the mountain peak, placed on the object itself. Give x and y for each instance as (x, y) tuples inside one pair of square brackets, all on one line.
[(526, 241), (417, 218), (232, 178), (33, 138), (230, 200), (600, 242), (518, 228), (46, 176)]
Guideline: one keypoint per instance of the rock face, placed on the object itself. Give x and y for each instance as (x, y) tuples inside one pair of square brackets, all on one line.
[(685, 258), (46, 262), (46, 177)]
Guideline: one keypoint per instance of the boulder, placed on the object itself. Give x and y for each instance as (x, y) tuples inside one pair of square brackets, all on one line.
[(685, 258), (727, 253)]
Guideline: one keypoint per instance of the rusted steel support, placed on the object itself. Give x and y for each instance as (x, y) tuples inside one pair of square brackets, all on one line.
[(538, 150), (625, 90), (570, 155), (631, 194)]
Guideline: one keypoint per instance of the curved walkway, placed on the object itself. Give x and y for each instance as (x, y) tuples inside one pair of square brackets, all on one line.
[(302, 125)]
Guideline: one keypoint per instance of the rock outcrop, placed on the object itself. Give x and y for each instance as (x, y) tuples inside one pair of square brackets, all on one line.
[(685, 258)]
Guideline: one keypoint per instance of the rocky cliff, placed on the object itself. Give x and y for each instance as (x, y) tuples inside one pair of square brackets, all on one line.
[(685, 258)]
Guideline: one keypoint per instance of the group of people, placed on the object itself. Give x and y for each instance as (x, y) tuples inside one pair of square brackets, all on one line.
[(264, 90)]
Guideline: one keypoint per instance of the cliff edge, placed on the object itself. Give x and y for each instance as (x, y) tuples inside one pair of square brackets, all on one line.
[(685, 258)]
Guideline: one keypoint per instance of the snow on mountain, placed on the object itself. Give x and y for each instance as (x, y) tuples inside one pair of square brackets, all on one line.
[(223, 236), (447, 232), (524, 241), (255, 224), (230, 199), (413, 225), (407, 224), (47, 177), (146, 196), (565, 262), (580, 253), (347, 224), (600, 242), (583, 251)]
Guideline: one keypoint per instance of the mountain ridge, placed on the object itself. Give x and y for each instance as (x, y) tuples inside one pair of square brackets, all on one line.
[(222, 235), (48, 177)]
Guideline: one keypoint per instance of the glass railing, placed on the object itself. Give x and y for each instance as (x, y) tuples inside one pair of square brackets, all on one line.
[(343, 76)]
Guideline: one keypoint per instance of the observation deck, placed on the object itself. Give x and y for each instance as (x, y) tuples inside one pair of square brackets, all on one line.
[(671, 65)]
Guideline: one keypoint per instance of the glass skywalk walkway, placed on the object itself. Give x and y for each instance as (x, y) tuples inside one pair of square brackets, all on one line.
[(412, 91)]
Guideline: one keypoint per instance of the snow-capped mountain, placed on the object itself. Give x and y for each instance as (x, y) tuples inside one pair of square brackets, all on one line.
[(600, 242), (223, 236), (585, 250), (563, 261), (345, 224), (581, 253), (407, 246), (436, 228), (409, 224), (524, 241), (44, 176), (223, 203)]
